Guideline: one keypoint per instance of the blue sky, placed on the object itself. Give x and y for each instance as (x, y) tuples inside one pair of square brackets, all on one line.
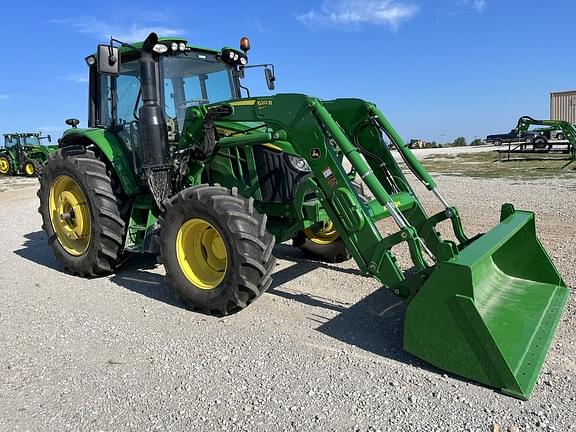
[(447, 67)]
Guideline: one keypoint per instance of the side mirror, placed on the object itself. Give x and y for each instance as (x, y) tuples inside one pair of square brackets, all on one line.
[(270, 78), (108, 60), (72, 122), (49, 138)]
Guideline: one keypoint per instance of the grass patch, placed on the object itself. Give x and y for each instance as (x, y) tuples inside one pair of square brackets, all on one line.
[(492, 165)]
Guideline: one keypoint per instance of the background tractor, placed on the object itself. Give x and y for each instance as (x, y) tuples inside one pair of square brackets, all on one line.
[(175, 161), (24, 154)]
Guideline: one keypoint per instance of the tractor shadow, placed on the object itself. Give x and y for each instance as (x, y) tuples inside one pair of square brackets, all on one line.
[(374, 324), (136, 276), (302, 266), (36, 249)]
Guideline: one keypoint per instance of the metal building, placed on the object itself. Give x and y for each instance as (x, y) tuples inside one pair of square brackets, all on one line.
[(563, 106)]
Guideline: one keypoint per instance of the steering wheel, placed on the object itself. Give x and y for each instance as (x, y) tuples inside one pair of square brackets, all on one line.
[(193, 102)]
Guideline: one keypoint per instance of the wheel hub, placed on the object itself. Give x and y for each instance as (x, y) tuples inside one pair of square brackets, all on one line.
[(29, 169), (323, 236), (70, 215), (201, 254), (4, 166)]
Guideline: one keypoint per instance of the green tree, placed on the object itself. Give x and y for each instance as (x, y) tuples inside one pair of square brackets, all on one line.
[(459, 142), (477, 142)]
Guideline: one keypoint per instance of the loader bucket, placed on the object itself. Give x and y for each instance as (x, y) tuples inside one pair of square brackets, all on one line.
[(490, 313)]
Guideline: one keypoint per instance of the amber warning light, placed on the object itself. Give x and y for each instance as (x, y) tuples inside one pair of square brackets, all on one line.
[(245, 44)]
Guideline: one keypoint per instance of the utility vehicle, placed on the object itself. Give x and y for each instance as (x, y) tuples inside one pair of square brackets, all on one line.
[(24, 154)]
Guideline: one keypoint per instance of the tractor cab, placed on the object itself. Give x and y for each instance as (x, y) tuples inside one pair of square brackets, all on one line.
[(184, 77), (146, 92), (26, 140)]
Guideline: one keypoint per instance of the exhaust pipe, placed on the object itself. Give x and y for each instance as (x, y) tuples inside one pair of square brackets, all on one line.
[(153, 129)]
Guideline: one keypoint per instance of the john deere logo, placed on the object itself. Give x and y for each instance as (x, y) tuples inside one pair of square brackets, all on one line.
[(315, 153)]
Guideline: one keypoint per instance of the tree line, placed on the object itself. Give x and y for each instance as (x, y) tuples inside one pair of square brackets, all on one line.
[(458, 142)]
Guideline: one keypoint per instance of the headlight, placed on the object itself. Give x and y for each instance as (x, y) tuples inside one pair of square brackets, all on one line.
[(91, 60), (299, 163), (174, 46), (182, 46), (232, 55), (243, 61), (160, 48)]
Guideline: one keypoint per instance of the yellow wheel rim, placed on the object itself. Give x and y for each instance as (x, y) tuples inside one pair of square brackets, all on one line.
[(70, 215), (201, 254), (4, 165), (325, 236), (29, 168)]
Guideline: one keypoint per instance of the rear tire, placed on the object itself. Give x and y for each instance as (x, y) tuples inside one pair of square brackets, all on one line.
[(75, 171), (497, 142), (327, 247), (540, 143), (6, 166), (215, 249), (32, 168)]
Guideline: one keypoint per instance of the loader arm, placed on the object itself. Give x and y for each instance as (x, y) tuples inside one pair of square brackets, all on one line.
[(310, 126)]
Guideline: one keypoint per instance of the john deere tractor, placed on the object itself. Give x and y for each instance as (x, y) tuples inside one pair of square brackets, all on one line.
[(179, 160), (24, 154)]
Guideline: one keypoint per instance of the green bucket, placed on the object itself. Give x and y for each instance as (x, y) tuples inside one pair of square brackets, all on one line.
[(490, 313)]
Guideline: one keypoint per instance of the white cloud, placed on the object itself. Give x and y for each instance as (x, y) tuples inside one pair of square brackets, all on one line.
[(77, 77), (254, 24), (5, 96), (479, 5), (102, 29), (352, 14)]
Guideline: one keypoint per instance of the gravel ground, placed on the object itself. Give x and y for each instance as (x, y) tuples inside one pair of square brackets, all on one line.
[(321, 350)]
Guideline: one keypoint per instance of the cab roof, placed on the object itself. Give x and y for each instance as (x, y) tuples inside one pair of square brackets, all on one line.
[(126, 50), (23, 134)]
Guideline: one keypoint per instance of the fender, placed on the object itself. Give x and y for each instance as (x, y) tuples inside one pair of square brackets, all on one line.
[(111, 147)]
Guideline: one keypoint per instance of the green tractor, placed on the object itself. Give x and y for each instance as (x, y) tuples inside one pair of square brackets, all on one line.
[(24, 154), (176, 161)]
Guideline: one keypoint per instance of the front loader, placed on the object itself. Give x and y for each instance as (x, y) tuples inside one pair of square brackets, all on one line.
[(175, 161)]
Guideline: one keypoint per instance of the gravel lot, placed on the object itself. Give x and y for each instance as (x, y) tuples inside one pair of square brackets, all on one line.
[(320, 351)]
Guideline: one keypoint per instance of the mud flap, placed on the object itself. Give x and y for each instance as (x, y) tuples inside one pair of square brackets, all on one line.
[(490, 313)]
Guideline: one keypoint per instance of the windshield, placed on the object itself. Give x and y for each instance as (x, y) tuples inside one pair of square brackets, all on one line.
[(189, 79), (30, 140), (192, 80)]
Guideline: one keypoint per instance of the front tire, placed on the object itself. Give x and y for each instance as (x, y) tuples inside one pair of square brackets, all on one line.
[(32, 168), (80, 212), (215, 249)]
